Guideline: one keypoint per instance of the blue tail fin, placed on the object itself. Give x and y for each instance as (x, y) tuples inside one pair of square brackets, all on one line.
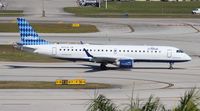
[(28, 34)]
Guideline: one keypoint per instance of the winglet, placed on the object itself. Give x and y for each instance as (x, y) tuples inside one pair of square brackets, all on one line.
[(87, 53)]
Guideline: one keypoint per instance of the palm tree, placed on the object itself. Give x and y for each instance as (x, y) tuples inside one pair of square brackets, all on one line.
[(101, 103), (189, 102), (153, 104)]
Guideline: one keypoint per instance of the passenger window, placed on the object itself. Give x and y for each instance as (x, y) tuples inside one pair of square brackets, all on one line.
[(75, 49), (143, 50), (64, 49), (110, 50), (127, 50)]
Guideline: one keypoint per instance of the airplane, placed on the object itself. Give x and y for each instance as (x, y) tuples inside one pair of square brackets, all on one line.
[(123, 56)]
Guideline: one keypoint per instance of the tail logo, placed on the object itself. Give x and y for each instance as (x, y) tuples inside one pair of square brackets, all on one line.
[(28, 35)]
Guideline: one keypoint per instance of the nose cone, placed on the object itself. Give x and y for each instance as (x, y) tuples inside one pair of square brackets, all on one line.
[(187, 57)]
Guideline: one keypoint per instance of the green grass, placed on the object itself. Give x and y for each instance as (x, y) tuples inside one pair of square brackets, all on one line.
[(8, 53), (139, 9), (11, 13), (51, 28), (49, 85)]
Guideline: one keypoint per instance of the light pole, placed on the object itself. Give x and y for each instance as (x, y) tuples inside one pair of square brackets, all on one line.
[(106, 4), (99, 3), (43, 11)]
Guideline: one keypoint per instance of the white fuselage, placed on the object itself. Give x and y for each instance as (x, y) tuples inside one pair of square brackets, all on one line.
[(136, 53)]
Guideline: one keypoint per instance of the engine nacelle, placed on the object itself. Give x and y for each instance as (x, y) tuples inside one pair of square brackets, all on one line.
[(125, 63)]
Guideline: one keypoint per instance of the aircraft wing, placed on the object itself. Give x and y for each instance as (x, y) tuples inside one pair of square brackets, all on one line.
[(104, 58)]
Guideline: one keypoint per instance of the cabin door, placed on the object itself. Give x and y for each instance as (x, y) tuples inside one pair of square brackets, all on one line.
[(169, 53), (54, 51)]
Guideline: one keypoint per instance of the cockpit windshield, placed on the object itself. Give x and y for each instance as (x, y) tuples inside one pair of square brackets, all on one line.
[(179, 51)]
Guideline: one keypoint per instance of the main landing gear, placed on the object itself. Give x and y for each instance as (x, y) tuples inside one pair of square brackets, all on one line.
[(103, 66), (171, 65)]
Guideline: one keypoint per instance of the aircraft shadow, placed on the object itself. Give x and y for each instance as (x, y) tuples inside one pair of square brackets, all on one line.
[(95, 68), (45, 67), (155, 68), (91, 68)]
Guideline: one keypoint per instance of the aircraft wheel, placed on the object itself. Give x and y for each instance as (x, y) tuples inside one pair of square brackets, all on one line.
[(171, 65), (103, 66)]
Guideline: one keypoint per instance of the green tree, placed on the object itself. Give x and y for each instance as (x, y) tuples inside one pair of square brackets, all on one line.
[(152, 104), (189, 102), (101, 103)]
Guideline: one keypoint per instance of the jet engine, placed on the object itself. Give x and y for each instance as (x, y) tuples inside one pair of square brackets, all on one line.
[(125, 63)]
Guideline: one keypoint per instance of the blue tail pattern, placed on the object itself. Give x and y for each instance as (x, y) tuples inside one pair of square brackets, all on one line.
[(28, 34)]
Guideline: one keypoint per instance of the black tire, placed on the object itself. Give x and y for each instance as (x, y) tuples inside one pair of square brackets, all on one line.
[(103, 66)]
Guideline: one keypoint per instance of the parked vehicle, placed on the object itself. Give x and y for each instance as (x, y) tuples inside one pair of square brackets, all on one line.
[(196, 11), (88, 2)]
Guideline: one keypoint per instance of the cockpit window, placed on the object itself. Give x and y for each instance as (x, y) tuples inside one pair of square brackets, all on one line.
[(179, 51)]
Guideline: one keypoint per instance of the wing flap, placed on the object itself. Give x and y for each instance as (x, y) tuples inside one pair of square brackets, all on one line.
[(104, 59)]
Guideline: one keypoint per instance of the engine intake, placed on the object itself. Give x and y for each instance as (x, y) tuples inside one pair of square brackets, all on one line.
[(126, 63)]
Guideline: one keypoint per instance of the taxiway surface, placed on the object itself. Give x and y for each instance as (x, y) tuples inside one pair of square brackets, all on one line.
[(148, 78), (181, 33), (35, 7)]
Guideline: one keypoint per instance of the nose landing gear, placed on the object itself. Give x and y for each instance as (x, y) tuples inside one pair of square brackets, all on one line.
[(171, 65)]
